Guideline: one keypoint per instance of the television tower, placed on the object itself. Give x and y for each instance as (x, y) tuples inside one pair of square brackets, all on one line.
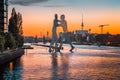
[(82, 24)]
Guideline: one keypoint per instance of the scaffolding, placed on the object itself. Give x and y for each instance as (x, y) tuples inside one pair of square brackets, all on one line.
[(4, 15)]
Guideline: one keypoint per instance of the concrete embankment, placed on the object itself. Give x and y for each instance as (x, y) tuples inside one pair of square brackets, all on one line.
[(10, 55)]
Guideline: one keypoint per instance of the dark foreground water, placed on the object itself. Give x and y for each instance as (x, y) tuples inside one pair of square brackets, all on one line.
[(86, 63)]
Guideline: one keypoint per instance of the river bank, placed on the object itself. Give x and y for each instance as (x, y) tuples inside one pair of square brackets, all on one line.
[(10, 55)]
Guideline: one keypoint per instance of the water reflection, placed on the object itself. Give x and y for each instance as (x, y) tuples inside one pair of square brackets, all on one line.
[(12, 71), (54, 68), (2, 72), (60, 67), (65, 65)]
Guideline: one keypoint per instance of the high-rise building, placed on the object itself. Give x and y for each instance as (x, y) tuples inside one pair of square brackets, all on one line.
[(2, 15)]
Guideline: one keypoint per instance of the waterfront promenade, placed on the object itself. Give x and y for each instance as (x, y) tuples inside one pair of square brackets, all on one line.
[(85, 63)]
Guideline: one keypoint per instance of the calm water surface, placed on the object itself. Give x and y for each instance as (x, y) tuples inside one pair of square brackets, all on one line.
[(86, 63)]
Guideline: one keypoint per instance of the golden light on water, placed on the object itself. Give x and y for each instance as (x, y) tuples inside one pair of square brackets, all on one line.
[(11, 66)]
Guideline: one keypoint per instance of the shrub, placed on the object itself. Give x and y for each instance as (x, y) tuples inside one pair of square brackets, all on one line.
[(2, 42)]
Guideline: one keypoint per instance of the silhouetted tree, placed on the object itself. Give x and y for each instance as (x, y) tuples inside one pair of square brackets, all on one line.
[(9, 41), (15, 27)]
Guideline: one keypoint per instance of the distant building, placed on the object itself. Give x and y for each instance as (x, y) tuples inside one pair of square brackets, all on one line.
[(81, 35), (114, 40), (70, 34), (103, 39), (81, 32), (29, 39)]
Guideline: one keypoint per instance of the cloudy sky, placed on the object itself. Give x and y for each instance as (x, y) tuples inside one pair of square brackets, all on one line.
[(38, 15)]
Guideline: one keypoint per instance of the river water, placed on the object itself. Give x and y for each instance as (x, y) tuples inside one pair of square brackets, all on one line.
[(85, 63)]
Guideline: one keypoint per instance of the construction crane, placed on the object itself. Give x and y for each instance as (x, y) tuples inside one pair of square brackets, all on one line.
[(102, 26)]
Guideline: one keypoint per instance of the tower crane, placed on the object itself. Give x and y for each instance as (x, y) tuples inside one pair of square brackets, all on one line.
[(102, 26)]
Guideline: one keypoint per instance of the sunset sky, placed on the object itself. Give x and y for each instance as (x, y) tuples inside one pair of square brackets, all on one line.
[(38, 15)]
